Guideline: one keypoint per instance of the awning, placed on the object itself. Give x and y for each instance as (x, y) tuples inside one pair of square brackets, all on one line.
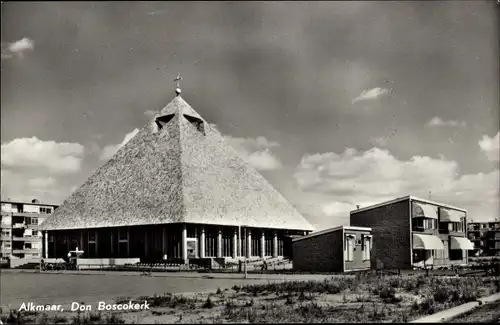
[(461, 243), (424, 211), (427, 242), (448, 215)]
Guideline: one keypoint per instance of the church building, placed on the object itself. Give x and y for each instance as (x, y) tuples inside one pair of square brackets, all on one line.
[(175, 191)]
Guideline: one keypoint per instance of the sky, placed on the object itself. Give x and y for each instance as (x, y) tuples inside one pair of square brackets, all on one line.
[(337, 104)]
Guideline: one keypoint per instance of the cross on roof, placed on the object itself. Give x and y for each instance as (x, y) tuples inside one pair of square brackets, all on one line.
[(177, 79)]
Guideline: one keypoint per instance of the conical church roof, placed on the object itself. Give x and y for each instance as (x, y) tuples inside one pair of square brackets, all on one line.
[(177, 168)]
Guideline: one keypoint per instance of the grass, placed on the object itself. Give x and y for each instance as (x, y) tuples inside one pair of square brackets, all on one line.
[(361, 298), (61, 318)]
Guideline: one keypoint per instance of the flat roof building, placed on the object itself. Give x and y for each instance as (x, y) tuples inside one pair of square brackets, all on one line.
[(338, 249), (21, 239), (413, 232), (486, 237)]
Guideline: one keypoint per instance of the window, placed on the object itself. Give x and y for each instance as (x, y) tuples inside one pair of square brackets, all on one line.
[(424, 223), (349, 247), (161, 121), (45, 210), (92, 244), (123, 245), (122, 235), (367, 246), (456, 254), (455, 226), (34, 221), (197, 123)]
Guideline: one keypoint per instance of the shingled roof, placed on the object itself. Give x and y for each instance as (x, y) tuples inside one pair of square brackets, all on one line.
[(177, 168)]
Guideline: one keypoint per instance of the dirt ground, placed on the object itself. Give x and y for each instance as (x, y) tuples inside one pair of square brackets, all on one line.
[(334, 300)]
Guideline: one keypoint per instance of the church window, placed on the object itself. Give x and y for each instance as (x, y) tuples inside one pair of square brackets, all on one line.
[(197, 123), (161, 121)]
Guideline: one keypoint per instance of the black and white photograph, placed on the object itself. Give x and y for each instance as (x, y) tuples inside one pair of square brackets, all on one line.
[(250, 162)]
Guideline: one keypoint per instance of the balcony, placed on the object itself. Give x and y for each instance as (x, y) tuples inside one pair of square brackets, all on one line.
[(24, 214), (452, 232), (19, 226), (26, 251), (27, 238)]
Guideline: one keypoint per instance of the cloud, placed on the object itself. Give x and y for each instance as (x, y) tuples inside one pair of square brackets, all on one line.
[(371, 94), (379, 141), (340, 181), (24, 186), (41, 182), (150, 114), (33, 153), (17, 48), (490, 146), (256, 152), (109, 150), (437, 121)]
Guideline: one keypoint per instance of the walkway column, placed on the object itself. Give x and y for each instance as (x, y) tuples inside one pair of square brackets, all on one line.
[(235, 243), (164, 241), (197, 255), (249, 243), (45, 235), (184, 242), (219, 243), (275, 244), (263, 244), (240, 251), (202, 242)]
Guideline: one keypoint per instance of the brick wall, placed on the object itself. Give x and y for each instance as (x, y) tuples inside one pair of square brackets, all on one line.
[(391, 234), (322, 253)]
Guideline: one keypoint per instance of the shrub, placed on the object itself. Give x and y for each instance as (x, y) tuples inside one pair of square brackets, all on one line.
[(44, 319), (208, 304), (114, 319), (428, 306), (168, 300), (387, 293)]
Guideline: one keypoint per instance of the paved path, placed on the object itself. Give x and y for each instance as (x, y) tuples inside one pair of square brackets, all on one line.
[(445, 315), (191, 275), (18, 286)]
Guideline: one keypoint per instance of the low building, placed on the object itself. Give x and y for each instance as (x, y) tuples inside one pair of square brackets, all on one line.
[(339, 249), (486, 237), (20, 237), (412, 232)]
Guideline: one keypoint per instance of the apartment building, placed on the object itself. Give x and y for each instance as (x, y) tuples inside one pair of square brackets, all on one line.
[(411, 232), (486, 237), (20, 237)]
